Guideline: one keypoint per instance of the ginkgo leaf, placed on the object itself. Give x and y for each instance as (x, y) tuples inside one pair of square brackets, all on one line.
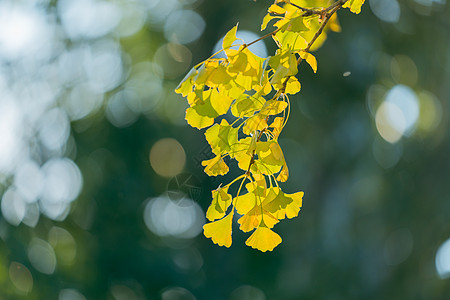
[(186, 85), (263, 239), (267, 18), (246, 62), (283, 63), (196, 120), (220, 231), (229, 38), (215, 166), (276, 9), (277, 126), (273, 107), (276, 202), (310, 59), (240, 151), (293, 208), (219, 205), (244, 203), (290, 40), (354, 5), (284, 174), (220, 102), (254, 123), (270, 153), (333, 24), (246, 105), (250, 220), (221, 137), (293, 86), (296, 25)]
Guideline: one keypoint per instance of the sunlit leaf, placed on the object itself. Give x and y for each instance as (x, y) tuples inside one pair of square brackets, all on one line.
[(284, 174), (246, 105), (215, 166), (221, 137), (354, 5), (293, 208), (229, 38), (220, 231), (263, 239), (197, 120), (186, 85), (219, 205), (293, 86), (277, 126), (310, 59), (220, 102), (276, 9)]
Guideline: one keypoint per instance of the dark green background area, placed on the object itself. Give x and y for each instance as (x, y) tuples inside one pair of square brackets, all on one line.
[(367, 229)]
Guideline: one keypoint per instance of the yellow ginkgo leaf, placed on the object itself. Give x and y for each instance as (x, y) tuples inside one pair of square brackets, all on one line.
[(276, 9), (263, 239), (196, 120), (267, 18), (244, 203), (229, 38), (186, 85), (246, 105), (220, 102), (256, 122), (220, 231), (354, 5), (284, 174), (250, 220), (293, 208), (293, 86), (310, 59), (219, 205), (215, 166), (221, 137), (277, 126)]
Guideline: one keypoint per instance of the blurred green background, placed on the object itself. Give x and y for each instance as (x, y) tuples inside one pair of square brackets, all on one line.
[(102, 191)]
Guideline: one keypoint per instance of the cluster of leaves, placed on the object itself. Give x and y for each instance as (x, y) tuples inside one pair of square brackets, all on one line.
[(256, 90)]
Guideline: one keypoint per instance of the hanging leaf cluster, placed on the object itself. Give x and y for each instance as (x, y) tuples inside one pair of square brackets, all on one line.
[(255, 91)]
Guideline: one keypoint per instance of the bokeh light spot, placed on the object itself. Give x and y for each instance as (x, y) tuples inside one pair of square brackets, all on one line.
[(183, 26), (178, 293), (63, 182), (118, 112), (21, 277), (87, 18), (386, 10), (42, 256), (64, 245), (430, 112), (404, 70), (247, 292), (70, 294), (398, 246), (28, 179), (13, 207), (173, 58), (398, 114), (54, 129), (390, 122), (387, 155), (181, 219), (443, 260), (123, 292), (167, 157)]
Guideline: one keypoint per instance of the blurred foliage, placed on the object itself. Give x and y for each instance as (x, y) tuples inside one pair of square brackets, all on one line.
[(89, 211)]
